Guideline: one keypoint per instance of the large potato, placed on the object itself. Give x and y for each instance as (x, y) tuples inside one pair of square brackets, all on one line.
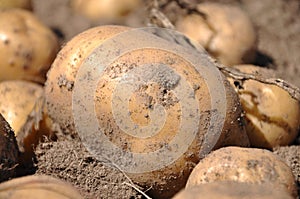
[(233, 190), (37, 187), (225, 31), (21, 104), (272, 115), (9, 152), (27, 47), (160, 100), (249, 165)]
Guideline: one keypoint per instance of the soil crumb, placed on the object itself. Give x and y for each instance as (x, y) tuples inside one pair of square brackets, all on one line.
[(70, 161)]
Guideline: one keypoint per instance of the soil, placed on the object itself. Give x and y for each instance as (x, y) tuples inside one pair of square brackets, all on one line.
[(8, 158), (278, 27), (70, 161)]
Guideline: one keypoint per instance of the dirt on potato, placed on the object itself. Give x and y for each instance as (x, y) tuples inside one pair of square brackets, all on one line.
[(277, 23)]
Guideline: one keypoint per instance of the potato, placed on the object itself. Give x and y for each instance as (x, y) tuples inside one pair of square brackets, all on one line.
[(27, 47), (225, 31), (25, 4), (9, 152), (21, 104), (111, 10), (249, 165), (37, 187), (233, 190), (272, 115), (156, 103)]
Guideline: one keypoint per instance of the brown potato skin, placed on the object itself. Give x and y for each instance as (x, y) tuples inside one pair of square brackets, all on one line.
[(27, 47), (233, 190), (25, 4), (9, 152), (226, 32), (248, 165), (36, 187), (272, 116)]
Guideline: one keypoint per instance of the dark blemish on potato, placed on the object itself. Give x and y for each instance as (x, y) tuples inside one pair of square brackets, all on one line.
[(26, 67), (64, 82), (252, 164), (6, 42)]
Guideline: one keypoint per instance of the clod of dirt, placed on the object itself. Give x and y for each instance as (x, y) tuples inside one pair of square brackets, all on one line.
[(69, 160), (9, 152)]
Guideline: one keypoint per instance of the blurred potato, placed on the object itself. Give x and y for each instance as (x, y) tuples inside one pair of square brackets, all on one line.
[(27, 47), (105, 10), (225, 31), (233, 190), (25, 4), (37, 187)]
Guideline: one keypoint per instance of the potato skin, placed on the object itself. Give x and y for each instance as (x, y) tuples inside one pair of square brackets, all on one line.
[(107, 10), (17, 101), (226, 32), (21, 103), (63, 71), (9, 152), (249, 165), (233, 190), (25, 4), (27, 47), (36, 187), (272, 115)]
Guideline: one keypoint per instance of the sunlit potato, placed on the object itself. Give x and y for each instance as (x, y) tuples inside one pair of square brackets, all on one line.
[(61, 81), (27, 46), (225, 31), (247, 165), (21, 104), (272, 115)]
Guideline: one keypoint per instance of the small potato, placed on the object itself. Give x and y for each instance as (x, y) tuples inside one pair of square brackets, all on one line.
[(272, 115), (111, 10), (27, 47), (249, 165), (225, 31), (37, 187), (9, 152), (233, 190), (21, 104), (25, 4)]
